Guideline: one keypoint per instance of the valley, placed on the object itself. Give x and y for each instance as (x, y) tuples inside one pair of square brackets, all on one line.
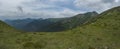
[(101, 32)]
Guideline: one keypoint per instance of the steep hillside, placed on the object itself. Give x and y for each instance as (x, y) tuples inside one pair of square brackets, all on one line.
[(105, 31), (72, 22), (5, 27), (6, 35)]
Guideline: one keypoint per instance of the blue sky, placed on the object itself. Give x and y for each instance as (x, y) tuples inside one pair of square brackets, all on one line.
[(19, 9)]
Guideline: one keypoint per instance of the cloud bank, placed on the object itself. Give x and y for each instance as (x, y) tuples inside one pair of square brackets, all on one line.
[(19, 9)]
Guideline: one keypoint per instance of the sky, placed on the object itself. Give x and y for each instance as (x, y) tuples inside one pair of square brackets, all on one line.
[(20, 9)]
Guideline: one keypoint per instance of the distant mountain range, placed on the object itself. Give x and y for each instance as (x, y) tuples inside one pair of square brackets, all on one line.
[(52, 24), (19, 23)]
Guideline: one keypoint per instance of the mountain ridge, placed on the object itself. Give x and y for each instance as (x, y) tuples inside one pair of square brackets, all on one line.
[(57, 26)]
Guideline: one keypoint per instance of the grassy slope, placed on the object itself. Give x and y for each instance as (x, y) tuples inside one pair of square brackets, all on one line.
[(5, 27), (102, 34)]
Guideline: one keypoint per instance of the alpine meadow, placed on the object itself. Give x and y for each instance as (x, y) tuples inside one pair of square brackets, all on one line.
[(89, 30)]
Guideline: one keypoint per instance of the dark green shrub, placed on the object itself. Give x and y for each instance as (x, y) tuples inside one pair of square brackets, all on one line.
[(91, 47), (1, 31), (34, 45), (99, 38), (18, 41), (3, 47), (40, 44), (28, 45)]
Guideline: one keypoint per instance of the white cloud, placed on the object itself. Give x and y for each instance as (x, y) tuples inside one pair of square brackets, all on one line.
[(117, 1), (9, 9), (10, 5), (41, 8), (96, 5)]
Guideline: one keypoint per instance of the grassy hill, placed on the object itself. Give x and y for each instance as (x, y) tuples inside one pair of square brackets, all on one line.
[(5, 27), (104, 33), (6, 33)]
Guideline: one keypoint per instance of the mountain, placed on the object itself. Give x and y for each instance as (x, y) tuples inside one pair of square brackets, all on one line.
[(72, 22), (60, 24), (102, 32), (19, 23), (24, 24), (52, 24), (42, 25)]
